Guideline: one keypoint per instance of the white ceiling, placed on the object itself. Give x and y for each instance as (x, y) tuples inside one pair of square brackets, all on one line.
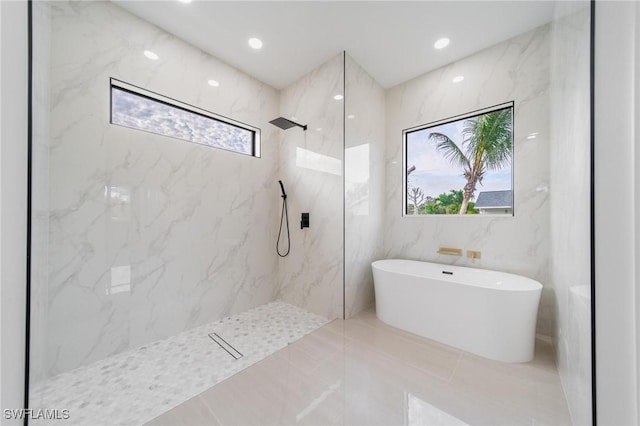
[(392, 40)]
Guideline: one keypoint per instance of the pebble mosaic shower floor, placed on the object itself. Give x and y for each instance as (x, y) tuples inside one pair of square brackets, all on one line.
[(134, 387)]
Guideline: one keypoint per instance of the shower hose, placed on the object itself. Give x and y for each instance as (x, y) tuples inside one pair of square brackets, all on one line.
[(284, 216)]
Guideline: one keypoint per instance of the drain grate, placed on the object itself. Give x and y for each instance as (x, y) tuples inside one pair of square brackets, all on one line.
[(225, 345)]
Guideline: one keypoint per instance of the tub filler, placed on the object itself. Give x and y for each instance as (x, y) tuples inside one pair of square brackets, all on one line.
[(491, 314)]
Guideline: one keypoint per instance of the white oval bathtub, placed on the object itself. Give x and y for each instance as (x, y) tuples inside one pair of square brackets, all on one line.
[(491, 314)]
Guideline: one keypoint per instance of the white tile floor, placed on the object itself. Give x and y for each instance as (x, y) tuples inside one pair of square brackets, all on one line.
[(363, 372), (133, 387)]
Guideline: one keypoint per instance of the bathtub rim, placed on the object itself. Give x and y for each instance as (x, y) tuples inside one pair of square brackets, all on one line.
[(529, 284)]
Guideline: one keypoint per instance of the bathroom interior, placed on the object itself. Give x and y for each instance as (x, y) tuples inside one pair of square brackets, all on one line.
[(160, 288)]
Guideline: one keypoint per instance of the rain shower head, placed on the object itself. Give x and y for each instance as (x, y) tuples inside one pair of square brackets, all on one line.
[(285, 124)]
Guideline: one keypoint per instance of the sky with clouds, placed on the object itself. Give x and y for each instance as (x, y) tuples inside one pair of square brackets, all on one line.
[(139, 112)]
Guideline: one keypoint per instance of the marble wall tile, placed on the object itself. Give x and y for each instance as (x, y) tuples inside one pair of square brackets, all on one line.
[(311, 168), (364, 184), (516, 70), (569, 202), (149, 235)]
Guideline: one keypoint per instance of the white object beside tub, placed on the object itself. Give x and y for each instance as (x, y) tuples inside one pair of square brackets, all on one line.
[(491, 314)]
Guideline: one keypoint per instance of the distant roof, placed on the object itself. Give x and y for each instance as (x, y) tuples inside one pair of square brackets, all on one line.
[(494, 200)]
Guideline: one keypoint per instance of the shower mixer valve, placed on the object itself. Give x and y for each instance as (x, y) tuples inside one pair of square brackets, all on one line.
[(304, 221)]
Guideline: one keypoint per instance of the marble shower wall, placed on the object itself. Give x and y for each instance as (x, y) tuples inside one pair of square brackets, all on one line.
[(569, 202), (364, 184), (149, 235), (311, 168), (516, 70)]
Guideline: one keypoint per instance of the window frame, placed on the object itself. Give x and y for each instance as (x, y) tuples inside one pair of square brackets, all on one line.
[(183, 106), (459, 117)]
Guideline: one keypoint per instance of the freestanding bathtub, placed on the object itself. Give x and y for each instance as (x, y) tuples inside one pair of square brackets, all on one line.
[(491, 314)]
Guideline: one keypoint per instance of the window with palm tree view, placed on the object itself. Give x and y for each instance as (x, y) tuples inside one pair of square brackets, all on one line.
[(461, 165)]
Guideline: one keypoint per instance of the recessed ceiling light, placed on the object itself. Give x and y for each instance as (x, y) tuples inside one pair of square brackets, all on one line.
[(151, 55), (531, 136), (338, 97), (351, 116), (213, 83), (255, 43), (458, 78), (185, 1), (441, 43)]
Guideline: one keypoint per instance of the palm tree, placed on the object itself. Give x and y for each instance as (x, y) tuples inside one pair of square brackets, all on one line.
[(487, 143)]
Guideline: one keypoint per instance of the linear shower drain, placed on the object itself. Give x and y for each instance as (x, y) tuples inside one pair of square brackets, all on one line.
[(225, 345)]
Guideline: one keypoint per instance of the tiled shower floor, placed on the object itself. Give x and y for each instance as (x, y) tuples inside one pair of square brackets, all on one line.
[(133, 387)]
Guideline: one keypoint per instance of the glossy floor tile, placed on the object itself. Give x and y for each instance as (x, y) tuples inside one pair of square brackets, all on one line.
[(363, 372), (133, 387)]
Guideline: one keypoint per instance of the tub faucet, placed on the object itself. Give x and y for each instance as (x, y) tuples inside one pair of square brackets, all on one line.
[(450, 251)]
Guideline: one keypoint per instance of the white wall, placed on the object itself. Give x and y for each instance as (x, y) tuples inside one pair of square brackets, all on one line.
[(13, 198), (617, 193), (517, 70), (364, 184), (148, 235), (569, 203), (311, 168)]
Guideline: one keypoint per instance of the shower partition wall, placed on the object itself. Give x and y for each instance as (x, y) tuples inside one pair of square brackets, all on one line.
[(336, 172), (311, 165), (364, 186), (569, 203)]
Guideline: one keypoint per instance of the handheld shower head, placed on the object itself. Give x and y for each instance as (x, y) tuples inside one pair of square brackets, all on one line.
[(284, 217), (285, 123), (284, 194)]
